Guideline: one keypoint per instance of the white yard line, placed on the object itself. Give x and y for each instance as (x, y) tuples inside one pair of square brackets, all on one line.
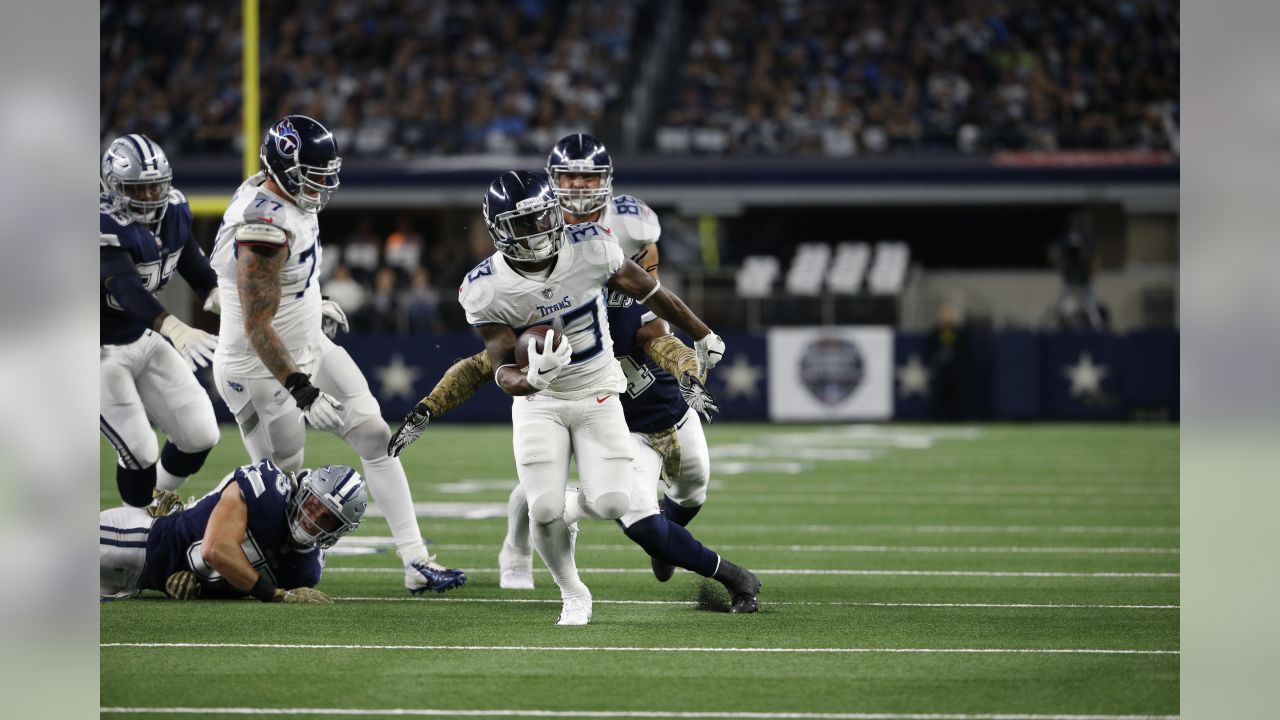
[(598, 601), (609, 648), (448, 712), (388, 541), (923, 573)]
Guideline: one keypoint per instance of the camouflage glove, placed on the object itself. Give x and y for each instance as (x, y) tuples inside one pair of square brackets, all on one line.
[(164, 502), (697, 396), (415, 423), (310, 596), (182, 585)]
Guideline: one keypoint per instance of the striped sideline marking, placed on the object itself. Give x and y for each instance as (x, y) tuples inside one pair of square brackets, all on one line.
[(441, 712), (926, 573), (597, 601), (608, 648)]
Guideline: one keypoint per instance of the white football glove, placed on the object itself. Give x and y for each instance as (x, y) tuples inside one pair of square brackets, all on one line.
[(195, 346), (710, 351), (213, 303), (320, 409), (546, 365), (332, 319)]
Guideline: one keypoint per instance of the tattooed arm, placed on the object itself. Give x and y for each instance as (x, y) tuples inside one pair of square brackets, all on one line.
[(258, 278), (647, 258)]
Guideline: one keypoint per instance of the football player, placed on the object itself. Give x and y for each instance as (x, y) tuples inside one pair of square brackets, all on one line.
[(582, 172), (546, 273), (145, 234), (276, 363), (259, 533), (657, 408)]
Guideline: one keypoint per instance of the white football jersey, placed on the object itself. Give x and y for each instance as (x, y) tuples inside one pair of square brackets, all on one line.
[(570, 299), (632, 223), (297, 320)]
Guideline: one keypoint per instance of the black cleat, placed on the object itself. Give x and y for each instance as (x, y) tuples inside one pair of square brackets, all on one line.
[(742, 584), (662, 570)]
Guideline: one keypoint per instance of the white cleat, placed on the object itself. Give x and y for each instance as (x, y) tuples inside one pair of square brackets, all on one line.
[(576, 610), (515, 570)]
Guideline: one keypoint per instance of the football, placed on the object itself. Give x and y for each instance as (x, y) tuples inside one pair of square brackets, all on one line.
[(537, 332)]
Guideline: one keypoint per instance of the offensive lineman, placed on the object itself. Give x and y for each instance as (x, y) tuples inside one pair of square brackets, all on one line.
[(582, 171), (145, 234), (259, 533), (275, 365), (545, 273)]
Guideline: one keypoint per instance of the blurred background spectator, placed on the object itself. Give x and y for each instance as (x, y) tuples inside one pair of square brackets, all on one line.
[(813, 77)]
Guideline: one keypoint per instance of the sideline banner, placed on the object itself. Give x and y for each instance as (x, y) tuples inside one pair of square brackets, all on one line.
[(831, 373)]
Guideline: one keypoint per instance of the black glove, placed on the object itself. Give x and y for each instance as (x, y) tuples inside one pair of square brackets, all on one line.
[(411, 429), (697, 396), (300, 387)]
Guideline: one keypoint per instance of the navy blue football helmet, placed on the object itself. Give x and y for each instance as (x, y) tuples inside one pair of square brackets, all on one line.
[(523, 216), (581, 154), (301, 155)]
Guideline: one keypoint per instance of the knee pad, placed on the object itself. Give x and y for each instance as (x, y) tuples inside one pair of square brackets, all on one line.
[(611, 505), (369, 439), (546, 508), (290, 463)]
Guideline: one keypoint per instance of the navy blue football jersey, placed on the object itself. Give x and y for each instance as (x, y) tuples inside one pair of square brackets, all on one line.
[(652, 400), (139, 262), (175, 540)]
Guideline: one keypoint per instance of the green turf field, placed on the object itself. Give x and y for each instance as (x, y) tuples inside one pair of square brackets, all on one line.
[(908, 572)]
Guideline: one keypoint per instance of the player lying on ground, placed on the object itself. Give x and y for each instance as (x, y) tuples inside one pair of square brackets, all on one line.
[(277, 329), (145, 234), (260, 533)]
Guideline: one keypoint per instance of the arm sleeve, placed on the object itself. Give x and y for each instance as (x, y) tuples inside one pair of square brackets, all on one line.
[(459, 383), (193, 266), (120, 277), (673, 356)]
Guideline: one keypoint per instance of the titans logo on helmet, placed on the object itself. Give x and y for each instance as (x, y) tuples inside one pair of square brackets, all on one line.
[(286, 137)]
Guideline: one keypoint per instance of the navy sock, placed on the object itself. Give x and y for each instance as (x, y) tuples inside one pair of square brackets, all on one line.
[(136, 485), (667, 541), (180, 463), (676, 513)]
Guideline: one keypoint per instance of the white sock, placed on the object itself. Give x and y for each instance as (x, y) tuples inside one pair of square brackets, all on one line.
[(518, 522), (166, 480), (552, 543), (390, 487), (575, 507)]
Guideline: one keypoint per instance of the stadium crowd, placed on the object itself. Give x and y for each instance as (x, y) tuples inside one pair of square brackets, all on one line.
[(394, 79), (821, 77), (835, 78)]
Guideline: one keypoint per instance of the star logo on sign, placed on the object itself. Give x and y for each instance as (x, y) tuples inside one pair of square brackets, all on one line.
[(741, 379), (1085, 377), (397, 378), (913, 378)]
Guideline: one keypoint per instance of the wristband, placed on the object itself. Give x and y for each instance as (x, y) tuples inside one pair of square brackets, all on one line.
[(657, 285), (263, 589), (300, 387)]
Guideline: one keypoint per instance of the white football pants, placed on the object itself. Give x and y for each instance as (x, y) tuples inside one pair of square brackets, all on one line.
[(122, 550), (689, 489), (272, 427), (149, 379)]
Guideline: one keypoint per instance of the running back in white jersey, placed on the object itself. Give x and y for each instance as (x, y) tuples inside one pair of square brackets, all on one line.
[(297, 320), (632, 223), (570, 299)]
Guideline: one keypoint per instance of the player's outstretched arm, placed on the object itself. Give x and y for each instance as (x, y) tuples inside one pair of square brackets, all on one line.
[(462, 380), (221, 550), (631, 280), (681, 361)]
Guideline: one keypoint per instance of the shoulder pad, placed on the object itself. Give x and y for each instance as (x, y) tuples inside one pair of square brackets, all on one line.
[(110, 220), (260, 234), (639, 222), (476, 291), (588, 231), (265, 209)]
